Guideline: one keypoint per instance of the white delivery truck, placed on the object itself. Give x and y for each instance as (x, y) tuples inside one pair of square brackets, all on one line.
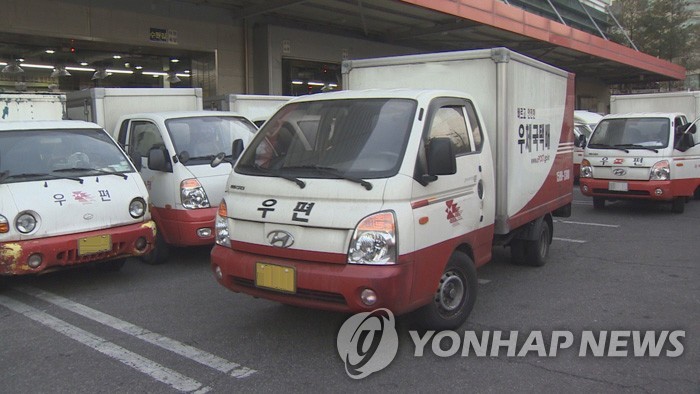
[(68, 196), (173, 143), (179, 155), (32, 106), (687, 103), (390, 198), (584, 123), (104, 106), (257, 108), (642, 156)]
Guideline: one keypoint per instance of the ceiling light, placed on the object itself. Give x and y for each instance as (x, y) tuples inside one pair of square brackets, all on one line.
[(80, 69), (138, 67), (117, 57), (83, 63), (174, 60), (20, 59), (60, 72), (12, 68), (113, 71), (50, 51)]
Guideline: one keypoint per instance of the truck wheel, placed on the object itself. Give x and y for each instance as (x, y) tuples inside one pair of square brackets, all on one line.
[(678, 205), (160, 252), (111, 265), (454, 298), (598, 202), (536, 251), (696, 195), (517, 251)]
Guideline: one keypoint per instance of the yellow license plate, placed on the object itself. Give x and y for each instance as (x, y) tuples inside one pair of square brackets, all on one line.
[(92, 245), (276, 277)]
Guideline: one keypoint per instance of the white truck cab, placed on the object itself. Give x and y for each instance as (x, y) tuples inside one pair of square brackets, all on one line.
[(649, 156), (181, 156), (68, 196)]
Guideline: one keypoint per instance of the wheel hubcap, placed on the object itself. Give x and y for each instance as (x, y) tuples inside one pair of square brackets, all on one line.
[(451, 292)]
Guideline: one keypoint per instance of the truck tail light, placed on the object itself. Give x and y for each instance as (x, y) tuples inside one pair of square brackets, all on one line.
[(192, 194), (221, 226), (374, 240), (660, 171), (586, 169)]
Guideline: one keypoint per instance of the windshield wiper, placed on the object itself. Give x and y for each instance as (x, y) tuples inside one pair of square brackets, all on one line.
[(37, 174), (334, 172), (604, 146), (278, 174), (636, 146), (119, 174)]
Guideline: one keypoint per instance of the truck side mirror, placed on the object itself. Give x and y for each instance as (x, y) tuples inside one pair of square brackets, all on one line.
[(157, 159), (236, 149), (441, 157), (582, 141)]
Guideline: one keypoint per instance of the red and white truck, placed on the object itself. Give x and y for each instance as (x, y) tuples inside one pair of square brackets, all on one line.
[(364, 199)]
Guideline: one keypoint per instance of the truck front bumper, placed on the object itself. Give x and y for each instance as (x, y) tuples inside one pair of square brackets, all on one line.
[(186, 227), (64, 250), (636, 190), (328, 286)]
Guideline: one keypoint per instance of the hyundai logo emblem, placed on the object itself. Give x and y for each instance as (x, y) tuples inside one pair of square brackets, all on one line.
[(619, 171), (280, 239), (88, 216)]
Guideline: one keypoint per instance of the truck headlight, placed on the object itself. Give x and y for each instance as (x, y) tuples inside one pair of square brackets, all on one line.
[(4, 225), (192, 194), (374, 240), (137, 207), (221, 226), (660, 171), (586, 169), (25, 222)]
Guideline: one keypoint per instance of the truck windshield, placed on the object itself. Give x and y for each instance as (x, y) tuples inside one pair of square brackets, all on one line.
[(351, 139), (30, 155), (198, 140), (632, 133)]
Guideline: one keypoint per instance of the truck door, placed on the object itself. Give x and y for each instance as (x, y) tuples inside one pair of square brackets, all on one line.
[(452, 203), (142, 135)]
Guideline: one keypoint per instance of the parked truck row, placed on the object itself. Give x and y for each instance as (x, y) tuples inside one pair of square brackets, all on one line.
[(390, 194)]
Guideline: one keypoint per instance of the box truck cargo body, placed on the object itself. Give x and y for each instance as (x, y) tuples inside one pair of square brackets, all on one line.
[(687, 103), (105, 105), (527, 110), (390, 198), (30, 106), (257, 108)]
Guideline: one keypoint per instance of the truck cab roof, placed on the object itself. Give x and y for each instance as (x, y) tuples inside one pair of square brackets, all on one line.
[(381, 93), (670, 115), (165, 115), (46, 125)]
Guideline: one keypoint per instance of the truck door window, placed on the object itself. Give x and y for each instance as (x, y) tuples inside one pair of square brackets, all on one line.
[(449, 122), (144, 136), (475, 126)]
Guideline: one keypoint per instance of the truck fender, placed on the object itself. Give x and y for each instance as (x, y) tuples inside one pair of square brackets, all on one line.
[(531, 231)]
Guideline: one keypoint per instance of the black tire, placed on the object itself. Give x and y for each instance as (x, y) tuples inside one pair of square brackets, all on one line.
[(517, 251), (111, 265), (598, 202), (678, 205), (696, 195), (454, 298), (159, 254), (536, 251)]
